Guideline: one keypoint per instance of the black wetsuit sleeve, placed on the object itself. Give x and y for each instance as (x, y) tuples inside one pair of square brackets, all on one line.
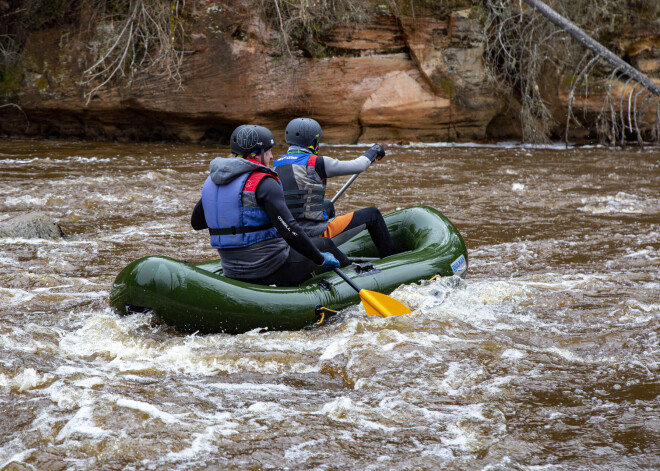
[(269, 196), (197, 220)]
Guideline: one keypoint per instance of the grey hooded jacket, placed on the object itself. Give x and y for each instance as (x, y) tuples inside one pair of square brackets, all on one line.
[(257, 260)]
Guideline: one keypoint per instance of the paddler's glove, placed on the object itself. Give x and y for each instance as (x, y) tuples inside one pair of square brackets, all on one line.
[(329, 208), (375, 153), (329, 260)]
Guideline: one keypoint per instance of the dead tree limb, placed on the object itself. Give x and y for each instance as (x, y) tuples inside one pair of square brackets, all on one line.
[(586, 40), (14, 105)]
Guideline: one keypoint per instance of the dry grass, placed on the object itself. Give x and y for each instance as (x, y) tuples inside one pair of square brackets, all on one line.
[(133, 37), (523, 51), (302, 22)]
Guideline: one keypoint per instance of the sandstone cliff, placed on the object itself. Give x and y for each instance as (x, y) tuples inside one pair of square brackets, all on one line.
[(415, 73)]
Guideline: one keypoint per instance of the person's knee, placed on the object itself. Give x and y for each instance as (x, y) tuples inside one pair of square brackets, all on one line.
[(371, 215), (373, 212)]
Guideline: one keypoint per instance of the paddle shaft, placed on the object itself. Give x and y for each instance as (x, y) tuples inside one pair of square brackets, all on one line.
[(347, 279), (343, 188)]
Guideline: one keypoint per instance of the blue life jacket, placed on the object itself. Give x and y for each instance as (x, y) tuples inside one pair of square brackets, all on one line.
[(232, 213), (304, 190)]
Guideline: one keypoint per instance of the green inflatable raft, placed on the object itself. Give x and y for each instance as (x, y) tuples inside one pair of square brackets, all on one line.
[(197, 298)]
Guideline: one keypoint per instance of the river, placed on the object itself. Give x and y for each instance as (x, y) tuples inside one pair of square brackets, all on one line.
[(546, 357)]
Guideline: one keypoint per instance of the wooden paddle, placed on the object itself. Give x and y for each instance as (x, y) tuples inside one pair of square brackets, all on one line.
[(376, 304)]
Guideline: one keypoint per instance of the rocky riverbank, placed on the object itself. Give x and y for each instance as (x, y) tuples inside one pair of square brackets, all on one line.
[(413, 73)]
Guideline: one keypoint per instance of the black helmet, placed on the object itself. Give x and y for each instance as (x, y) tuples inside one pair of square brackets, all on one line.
[(303, 132), (248, 138)]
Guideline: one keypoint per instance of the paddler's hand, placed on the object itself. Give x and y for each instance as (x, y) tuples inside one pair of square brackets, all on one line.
[(375, 153), (329, 260)]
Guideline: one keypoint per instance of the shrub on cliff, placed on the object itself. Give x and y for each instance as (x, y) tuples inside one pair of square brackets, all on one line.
[(527, 56)]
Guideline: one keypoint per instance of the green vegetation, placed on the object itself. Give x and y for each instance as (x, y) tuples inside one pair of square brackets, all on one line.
[(10, 81), (448, 88), (16, 23)]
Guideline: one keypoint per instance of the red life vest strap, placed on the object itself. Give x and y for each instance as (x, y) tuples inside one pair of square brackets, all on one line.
[(311, 162), (255, 178)]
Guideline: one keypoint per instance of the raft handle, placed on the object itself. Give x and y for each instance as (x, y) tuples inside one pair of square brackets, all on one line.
[(325, 285), (363, 269), (321, 310)]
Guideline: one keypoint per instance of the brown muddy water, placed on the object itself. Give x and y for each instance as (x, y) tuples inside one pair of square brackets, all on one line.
[(546, 357)]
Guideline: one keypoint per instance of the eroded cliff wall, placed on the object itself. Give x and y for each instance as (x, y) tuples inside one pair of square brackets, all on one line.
[(414, 73)]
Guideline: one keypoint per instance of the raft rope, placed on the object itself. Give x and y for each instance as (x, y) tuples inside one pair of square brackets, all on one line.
[(321, 310)]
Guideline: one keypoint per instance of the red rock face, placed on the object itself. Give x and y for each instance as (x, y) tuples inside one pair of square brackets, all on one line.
[(390, 79)]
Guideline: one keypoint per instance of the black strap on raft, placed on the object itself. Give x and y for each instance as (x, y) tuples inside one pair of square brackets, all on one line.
[(239, 230)]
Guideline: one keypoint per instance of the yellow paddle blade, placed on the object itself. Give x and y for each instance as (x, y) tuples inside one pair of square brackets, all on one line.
[(379, 304)]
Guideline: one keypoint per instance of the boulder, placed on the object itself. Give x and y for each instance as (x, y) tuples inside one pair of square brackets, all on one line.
[(33, 225)]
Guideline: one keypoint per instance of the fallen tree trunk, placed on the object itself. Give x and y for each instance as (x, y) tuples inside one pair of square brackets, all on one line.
[(586, 40)]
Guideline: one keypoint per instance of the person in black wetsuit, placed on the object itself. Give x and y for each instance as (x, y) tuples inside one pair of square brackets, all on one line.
[(304, 174), (243, 207)]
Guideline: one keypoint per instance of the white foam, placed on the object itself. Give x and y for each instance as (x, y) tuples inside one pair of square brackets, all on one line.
[(74, 183), (111, 337), (25, 380), (38, 242), (148, 409), (89, 383), (203, 442), (86, 160), (251, 388), (19, 457), (13, 162), (14, 296), (337, 347), (648, 253), (624, 203), (513, 354), (339, 409), (29, 200), (271, 409), (82, 424), (440, 451), (302, 452)]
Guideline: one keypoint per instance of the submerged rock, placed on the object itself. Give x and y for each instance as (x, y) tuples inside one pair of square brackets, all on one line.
[(33, 225)]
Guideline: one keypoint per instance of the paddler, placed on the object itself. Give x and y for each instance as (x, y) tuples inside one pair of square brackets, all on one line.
[(243, 207), (304, 175)]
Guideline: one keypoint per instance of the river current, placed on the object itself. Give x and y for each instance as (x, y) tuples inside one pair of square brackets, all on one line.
[(546, 357)]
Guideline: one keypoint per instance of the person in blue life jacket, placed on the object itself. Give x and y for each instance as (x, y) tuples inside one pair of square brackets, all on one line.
[(304, 174), (244, 209)]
